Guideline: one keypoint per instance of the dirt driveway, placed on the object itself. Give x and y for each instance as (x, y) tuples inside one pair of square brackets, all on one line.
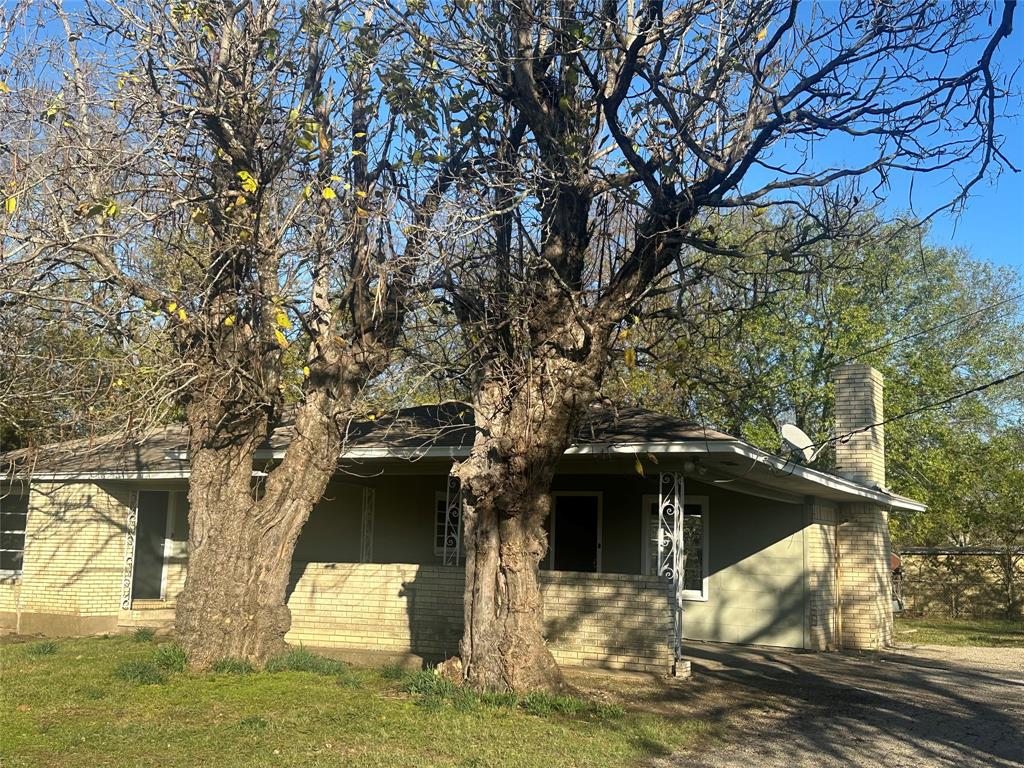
[(928, 706)]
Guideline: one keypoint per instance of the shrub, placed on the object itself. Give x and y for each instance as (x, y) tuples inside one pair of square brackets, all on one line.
[(42, 648), (171, 658), (140, 672), (301, 660), (143, 635), (232, 666)]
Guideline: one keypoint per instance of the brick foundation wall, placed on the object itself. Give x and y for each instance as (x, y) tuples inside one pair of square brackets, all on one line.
[(602, 620), (865, 591)]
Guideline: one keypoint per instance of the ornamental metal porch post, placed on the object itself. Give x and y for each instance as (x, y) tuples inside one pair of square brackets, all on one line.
[(452, 522), (671, 550), (128, 569)]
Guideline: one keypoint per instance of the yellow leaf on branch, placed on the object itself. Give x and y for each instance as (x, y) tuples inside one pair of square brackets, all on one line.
[(762, 34), (229, 320), (11, 205), (630, 355), (280, 337), (249, 182), (4, 87), (328, 194), (281, 318)]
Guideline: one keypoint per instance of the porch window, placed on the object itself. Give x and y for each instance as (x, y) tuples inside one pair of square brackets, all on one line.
[(13, 522), (695, 544)]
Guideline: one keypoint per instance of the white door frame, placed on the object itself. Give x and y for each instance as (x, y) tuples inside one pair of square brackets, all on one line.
[(600, 523), (172, 513)]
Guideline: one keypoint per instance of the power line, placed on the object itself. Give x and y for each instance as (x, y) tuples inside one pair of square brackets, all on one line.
[(928, 407)]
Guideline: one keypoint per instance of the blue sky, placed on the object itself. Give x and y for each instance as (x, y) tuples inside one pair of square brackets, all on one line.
[(991, 226)]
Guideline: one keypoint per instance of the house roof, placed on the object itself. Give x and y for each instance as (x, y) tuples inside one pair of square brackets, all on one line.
[(446, 431)]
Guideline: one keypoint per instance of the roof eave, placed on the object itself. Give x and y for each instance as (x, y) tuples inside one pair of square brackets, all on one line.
[(734, 447)]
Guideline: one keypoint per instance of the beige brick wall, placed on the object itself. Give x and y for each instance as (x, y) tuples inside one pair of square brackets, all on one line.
[(865, 596), (606, 620), (820, 567), (858, 404), (74, 551)]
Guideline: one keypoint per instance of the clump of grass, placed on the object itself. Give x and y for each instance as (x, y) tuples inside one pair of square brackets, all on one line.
[(42, 648), (93, 692), (253, 723), (171, 658), (140, 672), (435, 692), (393, 672), (301, 660), (143, 635), (232, 666)]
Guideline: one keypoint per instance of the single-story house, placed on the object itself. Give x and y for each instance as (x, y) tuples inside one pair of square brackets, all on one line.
[(767, 551)]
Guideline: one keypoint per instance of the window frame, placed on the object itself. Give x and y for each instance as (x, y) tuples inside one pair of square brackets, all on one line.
[(14, 572), (690, 595)]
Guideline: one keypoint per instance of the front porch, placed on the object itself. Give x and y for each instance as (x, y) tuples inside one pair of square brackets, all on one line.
[(378, 566)]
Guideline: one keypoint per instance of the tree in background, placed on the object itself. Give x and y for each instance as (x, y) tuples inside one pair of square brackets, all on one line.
[(615, 138), (235, 193), (935, 321)]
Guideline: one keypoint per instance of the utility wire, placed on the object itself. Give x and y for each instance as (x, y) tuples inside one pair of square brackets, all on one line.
[(908, 337), (927, 407)]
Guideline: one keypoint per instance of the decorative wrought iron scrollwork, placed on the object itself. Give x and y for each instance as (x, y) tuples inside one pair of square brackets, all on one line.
[(671, 547), (452, 522), (128, 569)]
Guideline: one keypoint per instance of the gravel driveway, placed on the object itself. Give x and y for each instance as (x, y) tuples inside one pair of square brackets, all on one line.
[(927, 706)]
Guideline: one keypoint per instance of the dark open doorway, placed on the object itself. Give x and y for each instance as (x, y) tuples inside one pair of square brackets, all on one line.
[(577, 534), (150, 537)]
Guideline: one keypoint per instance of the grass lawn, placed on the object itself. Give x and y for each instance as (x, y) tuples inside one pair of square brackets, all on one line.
[(64, 704), (975, 632)]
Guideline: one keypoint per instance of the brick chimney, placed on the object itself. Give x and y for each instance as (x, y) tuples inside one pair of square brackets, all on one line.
[(858, 395)]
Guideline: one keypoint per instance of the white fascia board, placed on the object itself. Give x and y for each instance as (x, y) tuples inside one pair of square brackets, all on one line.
[(734, 447), (164, 474)]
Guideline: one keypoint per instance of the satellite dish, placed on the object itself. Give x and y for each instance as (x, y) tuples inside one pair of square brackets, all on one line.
[(798, 441)]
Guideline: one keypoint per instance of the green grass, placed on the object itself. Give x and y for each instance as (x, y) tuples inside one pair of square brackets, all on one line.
[(98, 703), (974, 632)]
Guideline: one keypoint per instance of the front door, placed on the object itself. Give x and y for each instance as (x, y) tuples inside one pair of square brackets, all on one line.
[(576, 538), (150, 539)]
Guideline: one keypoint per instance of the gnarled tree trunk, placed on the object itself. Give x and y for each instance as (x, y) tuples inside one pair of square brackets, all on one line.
[(505, 484), (242, 538)]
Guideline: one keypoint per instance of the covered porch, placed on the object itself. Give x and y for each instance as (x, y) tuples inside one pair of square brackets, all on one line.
[(379, 564)]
